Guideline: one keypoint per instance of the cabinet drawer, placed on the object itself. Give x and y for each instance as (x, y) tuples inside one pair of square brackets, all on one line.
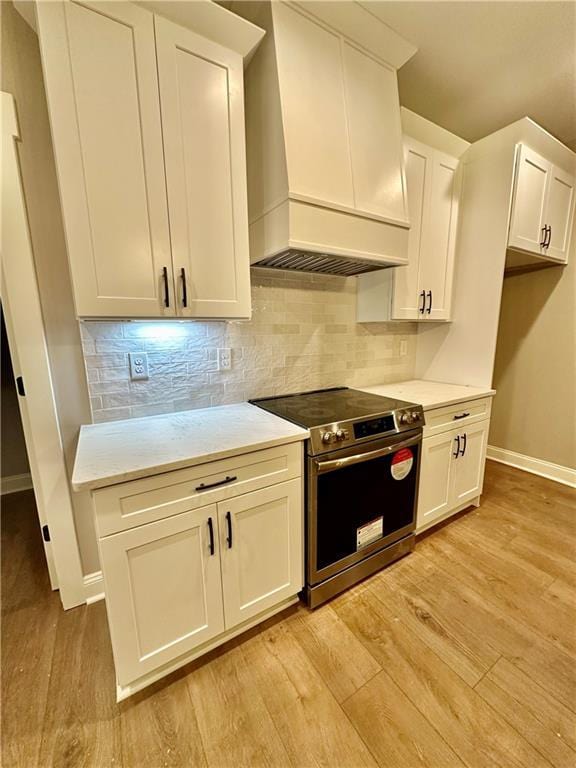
[(128, 505), (441, 419)]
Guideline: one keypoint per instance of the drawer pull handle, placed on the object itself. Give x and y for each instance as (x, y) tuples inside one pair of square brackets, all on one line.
[(457, 438), (464, 440), (211, 533), (166, 290), (229, 523), (204, 487), (422, 309), (461, 416), (184, 287)]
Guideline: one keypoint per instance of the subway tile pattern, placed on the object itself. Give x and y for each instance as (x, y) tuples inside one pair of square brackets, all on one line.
[(303, 335)]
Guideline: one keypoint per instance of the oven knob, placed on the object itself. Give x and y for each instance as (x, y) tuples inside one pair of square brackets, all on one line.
[(406, 418), (327, 437), (415, 416), (341, 434)]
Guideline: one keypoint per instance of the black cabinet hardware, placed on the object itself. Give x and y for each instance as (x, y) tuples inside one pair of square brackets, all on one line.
[(211, 534), (460, 416), (45, 533), (184, 290), (204, 487), (457, 438), (544, 235), (547, 239), (20, 386), (166, 291), (429, 302), (229, 523), (465, 441), (423, 307)]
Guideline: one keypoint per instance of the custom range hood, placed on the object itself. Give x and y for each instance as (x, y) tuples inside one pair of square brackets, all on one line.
[(326, 187)]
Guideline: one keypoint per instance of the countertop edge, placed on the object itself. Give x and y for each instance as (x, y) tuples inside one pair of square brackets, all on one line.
[(193, 461), (441, 402), (456, 400)]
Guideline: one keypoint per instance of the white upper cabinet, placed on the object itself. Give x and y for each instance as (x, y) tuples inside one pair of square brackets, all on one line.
[(559, 213), (423, 289), (201, 94), (542, 207), (152, 229), (102, 88)]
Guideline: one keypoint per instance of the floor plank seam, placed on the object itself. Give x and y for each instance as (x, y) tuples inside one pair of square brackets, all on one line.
[(487, 671)]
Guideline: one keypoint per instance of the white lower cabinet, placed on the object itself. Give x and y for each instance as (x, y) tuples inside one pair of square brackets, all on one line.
[(468, 466), (434, 497), (163, 590), (261, 549), (177, 587), (451, 472)]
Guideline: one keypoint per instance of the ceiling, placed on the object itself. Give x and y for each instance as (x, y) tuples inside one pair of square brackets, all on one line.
[(482, 65)]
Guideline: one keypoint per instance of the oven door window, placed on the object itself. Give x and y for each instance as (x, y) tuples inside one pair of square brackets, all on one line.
[(361, 507)]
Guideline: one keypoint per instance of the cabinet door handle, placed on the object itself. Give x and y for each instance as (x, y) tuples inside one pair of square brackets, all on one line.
[(204, 487), (465, 440), (461, 416), (184, 289), (211, 534), (229, 524), (457, 438), (547, 240), (544, 234), (166, 291), (429, 302), (422, 295)]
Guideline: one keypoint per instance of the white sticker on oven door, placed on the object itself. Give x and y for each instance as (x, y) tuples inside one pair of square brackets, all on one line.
[(402, 462), (369, 532)]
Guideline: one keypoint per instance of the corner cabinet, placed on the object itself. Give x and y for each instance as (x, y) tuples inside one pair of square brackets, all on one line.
[(153, 189), (453, 460), (217, 559), (423, 289), (542, 207)]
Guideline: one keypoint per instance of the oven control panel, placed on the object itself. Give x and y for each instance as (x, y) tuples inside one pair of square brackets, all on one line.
[(344, 434), (374, 427)]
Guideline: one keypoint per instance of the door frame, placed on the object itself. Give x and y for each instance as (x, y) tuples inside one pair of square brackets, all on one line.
[(29, 353)]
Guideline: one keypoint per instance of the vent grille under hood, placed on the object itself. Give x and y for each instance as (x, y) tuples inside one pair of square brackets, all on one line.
[(318, 262)]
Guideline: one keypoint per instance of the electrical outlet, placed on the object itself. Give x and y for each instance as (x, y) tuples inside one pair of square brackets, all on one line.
[(138, 365), (224, 359), (403, 347)]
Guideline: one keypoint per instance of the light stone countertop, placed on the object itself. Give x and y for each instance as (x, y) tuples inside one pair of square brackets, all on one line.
[(429, 394), (117, 451)]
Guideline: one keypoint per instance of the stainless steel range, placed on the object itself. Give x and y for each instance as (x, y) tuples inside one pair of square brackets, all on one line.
[(362, 468)]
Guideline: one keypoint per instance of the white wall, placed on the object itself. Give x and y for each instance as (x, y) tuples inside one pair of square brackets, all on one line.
[(534, 411)]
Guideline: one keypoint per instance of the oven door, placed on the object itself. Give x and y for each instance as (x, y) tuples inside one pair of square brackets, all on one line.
[(360, 500)]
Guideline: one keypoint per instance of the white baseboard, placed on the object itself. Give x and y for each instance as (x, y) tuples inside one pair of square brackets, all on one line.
[(15, 483), (546, 469), (94, 587)]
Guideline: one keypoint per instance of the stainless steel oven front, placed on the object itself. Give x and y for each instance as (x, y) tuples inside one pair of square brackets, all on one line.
[(360, 501)]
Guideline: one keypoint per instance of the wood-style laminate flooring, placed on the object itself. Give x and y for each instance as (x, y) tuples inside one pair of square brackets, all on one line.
[(462, 654)]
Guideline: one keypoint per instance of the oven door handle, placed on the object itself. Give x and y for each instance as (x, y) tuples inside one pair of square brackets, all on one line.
[(348, 461)]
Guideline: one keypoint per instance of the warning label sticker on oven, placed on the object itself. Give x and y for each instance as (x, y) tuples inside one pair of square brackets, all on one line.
[(369, 532), (402, 462)]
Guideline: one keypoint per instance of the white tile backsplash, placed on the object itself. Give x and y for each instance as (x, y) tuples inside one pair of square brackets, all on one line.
[(303, 335)]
